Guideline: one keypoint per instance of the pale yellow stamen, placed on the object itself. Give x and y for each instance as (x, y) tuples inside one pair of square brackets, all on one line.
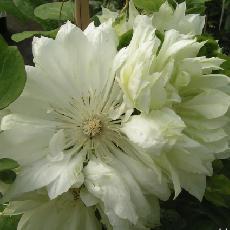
[(92, 127)]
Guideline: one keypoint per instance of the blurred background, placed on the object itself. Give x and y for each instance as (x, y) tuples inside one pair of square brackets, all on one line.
[(17, 16)]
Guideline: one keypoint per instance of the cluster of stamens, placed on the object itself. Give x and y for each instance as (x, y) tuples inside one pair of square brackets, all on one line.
[(92, 127)]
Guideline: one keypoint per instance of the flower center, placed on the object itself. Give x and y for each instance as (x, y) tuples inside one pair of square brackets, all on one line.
[(92, 127)]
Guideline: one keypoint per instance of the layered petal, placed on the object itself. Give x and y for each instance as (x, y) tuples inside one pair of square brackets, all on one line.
[(167, 18), (58, 176), (41, 213), (123, 202), (154, 131)]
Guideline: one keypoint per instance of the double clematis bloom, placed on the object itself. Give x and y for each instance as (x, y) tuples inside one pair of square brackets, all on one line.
[(101, 135), (182, 104)]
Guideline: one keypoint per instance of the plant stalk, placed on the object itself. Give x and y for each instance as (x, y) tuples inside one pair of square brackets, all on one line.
[(82, 18)]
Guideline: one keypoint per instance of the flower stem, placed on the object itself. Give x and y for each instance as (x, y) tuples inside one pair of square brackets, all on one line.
[(82, 13)]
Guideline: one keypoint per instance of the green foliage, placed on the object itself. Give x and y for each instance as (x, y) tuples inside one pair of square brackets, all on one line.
[(27, 34), (196, 6), (55, 11), (24, 11), (125, 39), (9, 222), (26, 7), (210, 48), (218, 186), (9, 7), (12, 75), (187, 213), (218, 190), (148, 5), (218, 22), (225, 65)]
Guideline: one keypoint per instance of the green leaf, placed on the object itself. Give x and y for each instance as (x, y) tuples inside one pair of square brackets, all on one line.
[(210, 48), (12, 74), (217, 166), (220, 183), (9, 222), (27, 6), (125, 39), (55, 11), (148, 5), (7, 164), (196, 6), (226, 64), (9, 7), (217, 199), (218, 190), (27, 34)]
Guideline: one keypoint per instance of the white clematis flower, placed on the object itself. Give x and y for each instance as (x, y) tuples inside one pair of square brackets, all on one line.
[(69, 119), (161, 76)]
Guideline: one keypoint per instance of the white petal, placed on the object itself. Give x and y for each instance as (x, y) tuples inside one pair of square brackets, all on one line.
[(207, 135), (204, 124), (35, 176), (176, 46), (153, 131), (144, 177), (25, 144), (69, 175), (104, 183), (147, 215), (107, 15), (187, 161), (195, 184), (59, 176), (57, 214), (196, 23), (104, 48), (212, 81), (166, 19), (13, 121), (211, 103), (56, 146), (172, 172), (87, 198), (64, 62)]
